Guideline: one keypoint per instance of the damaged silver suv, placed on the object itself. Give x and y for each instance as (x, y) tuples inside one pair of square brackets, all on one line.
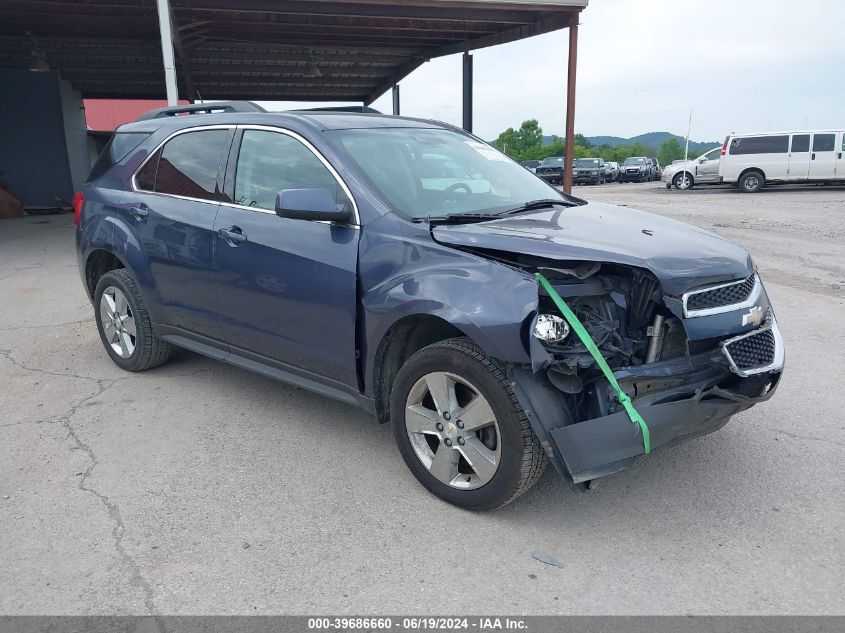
[(408, 268)]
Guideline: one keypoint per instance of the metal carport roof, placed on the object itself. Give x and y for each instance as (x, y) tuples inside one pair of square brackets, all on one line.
[(339, 50)]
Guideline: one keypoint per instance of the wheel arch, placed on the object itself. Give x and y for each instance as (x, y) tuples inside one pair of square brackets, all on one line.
[(97, 263), (402, 340), (750, 169)]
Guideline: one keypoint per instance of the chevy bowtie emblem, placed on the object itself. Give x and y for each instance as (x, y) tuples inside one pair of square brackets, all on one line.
[(754, 316)]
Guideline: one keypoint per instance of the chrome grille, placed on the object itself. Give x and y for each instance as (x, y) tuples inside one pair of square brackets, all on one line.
[(751, 352), (732, 296)]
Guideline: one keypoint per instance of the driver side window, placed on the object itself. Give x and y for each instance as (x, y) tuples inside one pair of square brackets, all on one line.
[(270, 161)]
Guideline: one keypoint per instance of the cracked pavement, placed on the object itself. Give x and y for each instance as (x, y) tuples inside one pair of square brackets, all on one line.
[(199, 488)]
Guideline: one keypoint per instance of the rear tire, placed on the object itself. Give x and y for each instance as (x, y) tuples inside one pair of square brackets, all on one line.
[(124, 323), (441, 449), (751, 182)]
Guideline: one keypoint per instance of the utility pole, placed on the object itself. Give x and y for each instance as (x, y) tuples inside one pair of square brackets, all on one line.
[(165, 28)]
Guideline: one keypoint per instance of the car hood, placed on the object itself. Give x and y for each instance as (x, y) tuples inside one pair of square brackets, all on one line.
[(671, 169), (681, 256)]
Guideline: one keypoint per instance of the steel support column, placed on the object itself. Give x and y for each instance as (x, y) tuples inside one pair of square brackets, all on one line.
[(395, 92), (165, 28), (467, 92), (570, 104)]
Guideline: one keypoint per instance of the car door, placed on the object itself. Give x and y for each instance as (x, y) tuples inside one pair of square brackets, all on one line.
[(823, 156), (287, 288), (172, 208), (799, 157), (707, 167), (840, 157)]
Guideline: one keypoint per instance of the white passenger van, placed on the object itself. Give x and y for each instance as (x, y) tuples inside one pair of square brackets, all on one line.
[(752, 160)]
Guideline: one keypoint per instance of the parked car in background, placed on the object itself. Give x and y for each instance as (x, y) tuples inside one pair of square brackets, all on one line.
[(703, 170), (342, 253), (611, 171), (588, 170), (530, 165), (751, 161), (655, 169), (551, 170), (635, 169)]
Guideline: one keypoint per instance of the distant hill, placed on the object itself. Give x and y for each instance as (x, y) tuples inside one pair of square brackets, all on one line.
[(652, 139)]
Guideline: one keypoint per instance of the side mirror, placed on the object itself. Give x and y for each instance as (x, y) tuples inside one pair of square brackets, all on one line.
[(310, 204)]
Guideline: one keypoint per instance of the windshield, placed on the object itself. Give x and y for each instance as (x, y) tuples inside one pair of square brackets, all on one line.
[(553, 160), (638, 160), (586, 162), (435, 172)]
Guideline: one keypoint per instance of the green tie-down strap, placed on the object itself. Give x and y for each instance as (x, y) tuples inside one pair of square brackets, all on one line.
[(588, 342)]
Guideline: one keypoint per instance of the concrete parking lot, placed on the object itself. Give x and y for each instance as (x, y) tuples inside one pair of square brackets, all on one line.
[(198, 488)]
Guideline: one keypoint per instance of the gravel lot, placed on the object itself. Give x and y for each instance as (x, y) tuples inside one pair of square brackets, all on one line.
[(198, 488)]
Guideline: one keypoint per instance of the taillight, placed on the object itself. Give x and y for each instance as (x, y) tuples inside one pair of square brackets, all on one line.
[(78, 201), (725, 146)]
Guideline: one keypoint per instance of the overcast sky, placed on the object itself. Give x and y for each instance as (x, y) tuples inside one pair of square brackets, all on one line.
[(741, 65)]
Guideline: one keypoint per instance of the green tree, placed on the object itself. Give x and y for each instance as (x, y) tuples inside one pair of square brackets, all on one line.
[(523, 143), (581, 140), (669, 151)]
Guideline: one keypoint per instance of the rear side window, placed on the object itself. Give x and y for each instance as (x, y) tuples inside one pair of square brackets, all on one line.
[(145, 179), (760, 145), (186, 166), (270, 161), (824, 142), (801, 143), (118, 147)]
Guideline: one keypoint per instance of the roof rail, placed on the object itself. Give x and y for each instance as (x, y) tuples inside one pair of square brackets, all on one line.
[(357, 109), (202, 108)]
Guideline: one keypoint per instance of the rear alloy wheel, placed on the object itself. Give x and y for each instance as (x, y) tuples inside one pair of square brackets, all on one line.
[(119, 329), (682, 181), (124, 324), (460, 428), (751, 182)]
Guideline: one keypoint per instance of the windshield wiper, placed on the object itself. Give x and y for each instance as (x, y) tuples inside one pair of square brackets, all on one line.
[(538, 204), (458, 218)]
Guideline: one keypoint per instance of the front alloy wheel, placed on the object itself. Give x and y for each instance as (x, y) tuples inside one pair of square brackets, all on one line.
[(453, 430), (460, 427), (682, 181)]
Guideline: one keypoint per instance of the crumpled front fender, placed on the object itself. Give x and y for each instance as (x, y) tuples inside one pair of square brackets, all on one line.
[(405, 273)]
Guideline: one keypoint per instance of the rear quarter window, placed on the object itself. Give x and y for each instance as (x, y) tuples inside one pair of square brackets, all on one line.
[(118, 147), (760, 145)]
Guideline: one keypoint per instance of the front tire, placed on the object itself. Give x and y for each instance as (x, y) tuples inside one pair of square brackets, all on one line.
[(460, 428), (751, 182), (683, 180), (124, 323)]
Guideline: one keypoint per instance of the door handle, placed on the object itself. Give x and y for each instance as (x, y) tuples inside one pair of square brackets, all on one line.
[(234, 236), (139, 211), (814, 156), (839, 156)]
